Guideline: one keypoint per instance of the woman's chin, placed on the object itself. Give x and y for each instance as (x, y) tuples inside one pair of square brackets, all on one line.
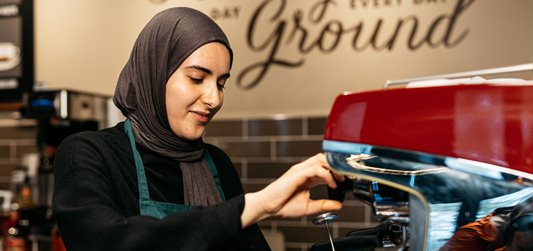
[(192, 136)]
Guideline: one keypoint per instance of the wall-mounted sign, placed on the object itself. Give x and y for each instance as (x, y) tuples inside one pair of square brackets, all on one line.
[(16, 49), (303, 53)]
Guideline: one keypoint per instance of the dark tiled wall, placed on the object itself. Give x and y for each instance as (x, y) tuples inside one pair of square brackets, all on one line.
[(263, 149), (15, 142)]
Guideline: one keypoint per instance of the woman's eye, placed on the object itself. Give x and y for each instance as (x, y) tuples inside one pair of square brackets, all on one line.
[(196, 80), (221, 86)]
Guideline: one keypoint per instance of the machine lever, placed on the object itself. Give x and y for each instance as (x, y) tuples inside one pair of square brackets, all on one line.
[(325, 219)]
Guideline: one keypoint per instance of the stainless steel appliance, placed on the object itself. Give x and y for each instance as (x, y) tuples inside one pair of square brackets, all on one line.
[(59, 113)]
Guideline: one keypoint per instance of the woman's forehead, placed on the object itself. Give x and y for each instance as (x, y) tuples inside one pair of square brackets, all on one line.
[(210, 55)]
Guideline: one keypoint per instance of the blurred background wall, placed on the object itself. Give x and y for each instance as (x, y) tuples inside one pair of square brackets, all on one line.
[(292, 57)]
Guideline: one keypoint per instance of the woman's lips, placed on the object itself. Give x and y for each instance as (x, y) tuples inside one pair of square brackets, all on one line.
[(202, 117)]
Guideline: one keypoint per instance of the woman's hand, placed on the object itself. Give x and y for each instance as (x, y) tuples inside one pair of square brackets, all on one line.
[(289, 195)]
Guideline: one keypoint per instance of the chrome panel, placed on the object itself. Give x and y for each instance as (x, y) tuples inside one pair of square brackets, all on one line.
[(443, 193)]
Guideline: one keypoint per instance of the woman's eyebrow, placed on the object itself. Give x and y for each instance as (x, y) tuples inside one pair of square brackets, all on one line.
[(200, 68), (207, 71)]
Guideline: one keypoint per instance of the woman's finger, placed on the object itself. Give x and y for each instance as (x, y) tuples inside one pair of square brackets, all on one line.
[(338, 176), (321, 206), (318, 174)]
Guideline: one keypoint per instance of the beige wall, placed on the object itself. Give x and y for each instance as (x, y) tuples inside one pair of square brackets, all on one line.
[(83, 45)]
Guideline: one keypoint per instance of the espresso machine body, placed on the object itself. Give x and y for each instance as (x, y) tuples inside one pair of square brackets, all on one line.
[(434, 162), (59, 114)]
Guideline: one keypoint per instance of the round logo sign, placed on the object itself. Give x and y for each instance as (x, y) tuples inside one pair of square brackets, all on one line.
[(9, 56)]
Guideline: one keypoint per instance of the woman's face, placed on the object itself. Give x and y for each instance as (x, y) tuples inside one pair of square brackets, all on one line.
[(195, 91)]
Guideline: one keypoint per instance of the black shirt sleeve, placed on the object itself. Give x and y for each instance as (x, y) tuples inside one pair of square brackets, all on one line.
[(96, 206)]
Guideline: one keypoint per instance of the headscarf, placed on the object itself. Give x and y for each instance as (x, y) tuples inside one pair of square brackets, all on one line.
[(162, 46)]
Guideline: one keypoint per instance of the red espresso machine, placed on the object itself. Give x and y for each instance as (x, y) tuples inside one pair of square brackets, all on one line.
[(443, 167)]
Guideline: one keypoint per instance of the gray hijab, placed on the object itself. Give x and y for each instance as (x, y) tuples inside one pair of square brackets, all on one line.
[(164, 43)]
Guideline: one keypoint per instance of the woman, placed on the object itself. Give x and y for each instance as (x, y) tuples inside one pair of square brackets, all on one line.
[(150, 183)]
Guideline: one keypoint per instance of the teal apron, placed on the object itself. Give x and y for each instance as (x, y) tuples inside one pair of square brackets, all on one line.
[(158, 209)]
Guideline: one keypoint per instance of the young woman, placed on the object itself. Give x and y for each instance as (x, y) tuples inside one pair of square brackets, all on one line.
[(150, 183)]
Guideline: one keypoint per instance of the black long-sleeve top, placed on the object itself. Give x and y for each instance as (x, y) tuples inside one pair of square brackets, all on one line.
[(96, 200)]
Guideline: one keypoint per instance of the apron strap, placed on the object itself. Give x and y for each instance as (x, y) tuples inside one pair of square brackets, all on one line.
[(141, 176), (160, 209)]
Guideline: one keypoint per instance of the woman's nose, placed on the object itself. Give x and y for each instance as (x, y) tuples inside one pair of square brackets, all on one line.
[(211, 95)]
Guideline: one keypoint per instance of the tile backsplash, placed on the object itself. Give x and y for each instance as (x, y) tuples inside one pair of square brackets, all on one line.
[(16, 140)]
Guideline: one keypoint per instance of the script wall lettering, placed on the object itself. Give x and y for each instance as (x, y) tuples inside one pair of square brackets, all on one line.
[(360, 35)]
